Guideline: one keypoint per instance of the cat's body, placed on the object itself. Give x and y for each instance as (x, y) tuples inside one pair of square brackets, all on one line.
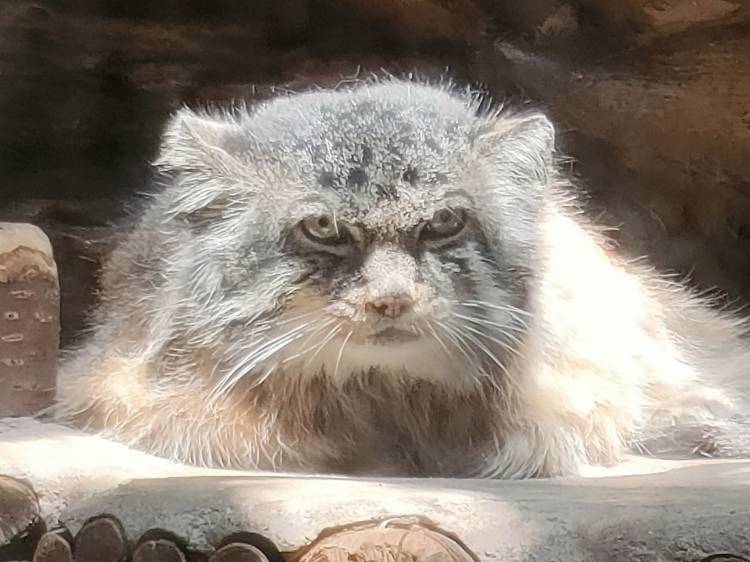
[(383, 281)]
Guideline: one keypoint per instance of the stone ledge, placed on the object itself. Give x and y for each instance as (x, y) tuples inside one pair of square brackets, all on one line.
[(680, 511)]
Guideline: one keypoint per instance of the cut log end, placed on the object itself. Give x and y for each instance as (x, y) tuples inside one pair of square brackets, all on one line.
[(54, 547), (19, 508), (25, 253), (161, 550), (101, 539), (398, 538), (239, 552)]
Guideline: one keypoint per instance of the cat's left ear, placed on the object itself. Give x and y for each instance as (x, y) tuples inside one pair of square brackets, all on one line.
[(517, 155), (522, 146)]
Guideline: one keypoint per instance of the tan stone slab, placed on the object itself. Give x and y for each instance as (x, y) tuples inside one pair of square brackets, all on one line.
[(644, 509)]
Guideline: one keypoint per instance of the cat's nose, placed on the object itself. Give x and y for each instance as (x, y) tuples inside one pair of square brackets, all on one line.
[(391, 306)]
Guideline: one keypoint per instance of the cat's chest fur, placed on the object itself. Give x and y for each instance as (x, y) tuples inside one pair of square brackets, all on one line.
[(375, 424)]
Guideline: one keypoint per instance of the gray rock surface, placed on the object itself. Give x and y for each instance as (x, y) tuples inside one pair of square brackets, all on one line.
[(684, 514), (672, 511)]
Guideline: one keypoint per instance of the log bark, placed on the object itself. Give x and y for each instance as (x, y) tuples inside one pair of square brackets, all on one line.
[(29, 320)]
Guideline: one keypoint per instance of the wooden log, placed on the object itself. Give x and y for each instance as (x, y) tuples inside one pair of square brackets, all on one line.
[(260, 542), (382, 540), (160, 550), (101, 539), (19, 508), (82, 234), (238, 552), (29, 320), (54, 546)]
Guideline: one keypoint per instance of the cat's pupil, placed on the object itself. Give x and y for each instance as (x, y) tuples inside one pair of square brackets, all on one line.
[(324, 222)]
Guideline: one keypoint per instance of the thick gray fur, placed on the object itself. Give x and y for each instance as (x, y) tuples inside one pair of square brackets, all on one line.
[(228, 337)]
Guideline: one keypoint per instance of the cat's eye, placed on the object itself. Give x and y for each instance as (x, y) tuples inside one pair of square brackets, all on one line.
[(444, 224), (324, 230)]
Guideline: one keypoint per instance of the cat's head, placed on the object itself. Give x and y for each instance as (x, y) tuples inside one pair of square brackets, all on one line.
[(388, 226)]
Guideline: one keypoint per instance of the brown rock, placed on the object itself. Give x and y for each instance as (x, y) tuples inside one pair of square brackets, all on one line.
[(660, 138), (656, 18), (29, 319)]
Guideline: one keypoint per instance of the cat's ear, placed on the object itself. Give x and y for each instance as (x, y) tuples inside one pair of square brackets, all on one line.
[(196, 153), (516, 153), (521, 147), (195, 142)]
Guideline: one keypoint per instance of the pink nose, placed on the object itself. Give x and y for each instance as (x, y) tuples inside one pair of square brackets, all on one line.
[(391, 306)]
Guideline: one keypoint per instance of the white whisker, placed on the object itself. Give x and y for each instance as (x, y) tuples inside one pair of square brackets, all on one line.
[(458, 342), (323, 343), (437, 338), (254, 358), (487, 352), (341, 353), (503, 344), (312, 334)]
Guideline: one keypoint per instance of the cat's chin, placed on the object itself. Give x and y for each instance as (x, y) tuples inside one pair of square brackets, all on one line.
[(392, 336), (387, 348), (394, 350), (401, 355)]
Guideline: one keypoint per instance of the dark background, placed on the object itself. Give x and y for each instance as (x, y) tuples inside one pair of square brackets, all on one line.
[(652, 100)]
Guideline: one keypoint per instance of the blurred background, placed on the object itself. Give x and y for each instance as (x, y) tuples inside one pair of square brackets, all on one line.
[(651, 98)]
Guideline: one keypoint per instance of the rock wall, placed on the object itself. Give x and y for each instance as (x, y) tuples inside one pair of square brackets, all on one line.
[(652, 99)]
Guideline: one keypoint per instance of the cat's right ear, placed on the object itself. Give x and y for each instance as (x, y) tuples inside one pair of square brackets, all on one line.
[(194, 142), (196, 154)]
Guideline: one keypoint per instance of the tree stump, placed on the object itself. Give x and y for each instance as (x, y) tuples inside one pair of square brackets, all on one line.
[(29, 320)]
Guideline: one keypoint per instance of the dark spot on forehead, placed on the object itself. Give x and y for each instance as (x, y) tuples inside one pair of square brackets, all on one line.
[(366, 156), (437, 178), (410, 175), (361, 156), (326, 179), (357, 177), (388, 192), (432, 145), (407, 141)]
